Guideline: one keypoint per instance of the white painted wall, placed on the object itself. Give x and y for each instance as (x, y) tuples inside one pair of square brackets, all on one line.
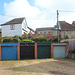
[(6, 31), (24, 27)]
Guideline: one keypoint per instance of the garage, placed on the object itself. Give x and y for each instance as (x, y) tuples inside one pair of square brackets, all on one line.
[(8, 51), (59, 51), (43, 50), (26, 51)]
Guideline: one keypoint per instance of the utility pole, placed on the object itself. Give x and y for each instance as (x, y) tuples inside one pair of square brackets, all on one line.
[(57, 25)]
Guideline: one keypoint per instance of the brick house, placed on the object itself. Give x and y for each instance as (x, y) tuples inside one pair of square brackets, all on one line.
[(48, 32)]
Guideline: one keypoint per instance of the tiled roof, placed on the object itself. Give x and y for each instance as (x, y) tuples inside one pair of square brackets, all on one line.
[(14, 21), (44, 29), (66, 26)]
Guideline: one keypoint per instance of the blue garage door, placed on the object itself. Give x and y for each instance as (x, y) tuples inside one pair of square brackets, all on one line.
[(8, 51)]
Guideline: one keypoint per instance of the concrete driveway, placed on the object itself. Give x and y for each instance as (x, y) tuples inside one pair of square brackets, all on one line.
[(38, 67)]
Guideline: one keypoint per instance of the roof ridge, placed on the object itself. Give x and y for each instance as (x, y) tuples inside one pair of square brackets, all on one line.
[(66, 26), (45, 27), (14, 21)]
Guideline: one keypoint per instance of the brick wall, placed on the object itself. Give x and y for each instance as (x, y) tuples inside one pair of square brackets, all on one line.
[(49, 36)]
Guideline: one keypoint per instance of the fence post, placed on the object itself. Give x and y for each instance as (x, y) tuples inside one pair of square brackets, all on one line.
[(35, 50), (67, 48), (51, 50), (18, 51), (0, 51)]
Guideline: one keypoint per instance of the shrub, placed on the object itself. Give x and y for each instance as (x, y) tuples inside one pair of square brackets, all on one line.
[(10, 40), (27, 36), (19, 37), (27, 40), (55, 40), (40, 39), (15, 40), (72, 51), (5, 40), (1, 38), (65, 41), (16, 36), (66, 37), (49, 40)]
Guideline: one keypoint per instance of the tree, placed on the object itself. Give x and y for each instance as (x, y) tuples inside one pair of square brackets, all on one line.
[(40, 39)]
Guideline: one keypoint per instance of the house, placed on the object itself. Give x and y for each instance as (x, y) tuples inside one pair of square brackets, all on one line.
[(66, 29), (48, 32), (44, 30), (14, 27)]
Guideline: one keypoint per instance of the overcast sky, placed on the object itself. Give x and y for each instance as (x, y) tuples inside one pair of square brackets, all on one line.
[(38, 13)]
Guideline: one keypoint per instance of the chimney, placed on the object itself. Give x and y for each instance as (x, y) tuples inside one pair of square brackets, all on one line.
[(73, 23)]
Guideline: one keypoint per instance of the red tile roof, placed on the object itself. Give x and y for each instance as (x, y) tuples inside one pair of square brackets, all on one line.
[(66, 26), (14, 21)]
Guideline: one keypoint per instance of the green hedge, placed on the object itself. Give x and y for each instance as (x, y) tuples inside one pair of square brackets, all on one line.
[(55, 40), (10, 40), (40, 39)]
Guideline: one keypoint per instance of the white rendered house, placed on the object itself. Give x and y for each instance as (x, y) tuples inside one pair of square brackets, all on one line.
[(14, 27)]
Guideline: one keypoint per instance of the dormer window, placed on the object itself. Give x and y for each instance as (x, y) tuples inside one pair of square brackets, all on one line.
[(12, 27)]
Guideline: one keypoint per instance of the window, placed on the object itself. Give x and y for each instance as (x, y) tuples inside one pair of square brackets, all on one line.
[(12, 27), (38, 32), (46, 32), (24, 25), (69, 32), (42, 32)]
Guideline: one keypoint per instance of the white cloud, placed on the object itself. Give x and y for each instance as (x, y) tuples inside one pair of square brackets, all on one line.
[(44, 3), (21, 8), (63, 5), (42, 13)]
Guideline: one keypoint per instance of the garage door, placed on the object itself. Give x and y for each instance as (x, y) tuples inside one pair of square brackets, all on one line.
[(8, 51), (43, 50), (59, 52), (26, 50)]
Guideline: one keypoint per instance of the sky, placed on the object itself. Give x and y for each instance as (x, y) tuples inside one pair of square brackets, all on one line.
[(38, 13)]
